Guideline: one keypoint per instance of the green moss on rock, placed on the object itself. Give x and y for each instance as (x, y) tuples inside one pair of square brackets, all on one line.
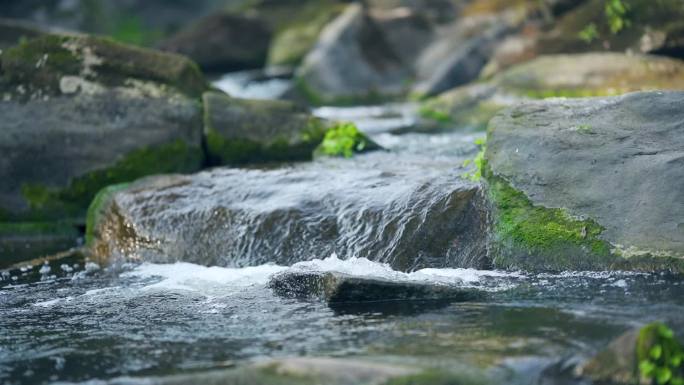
[(72, 201), (529, 236), (98, 207), (223, 150)]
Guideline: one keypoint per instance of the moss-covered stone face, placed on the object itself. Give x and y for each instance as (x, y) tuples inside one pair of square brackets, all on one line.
[(41, 64), (72, 201), (534, 237), (581, 184)]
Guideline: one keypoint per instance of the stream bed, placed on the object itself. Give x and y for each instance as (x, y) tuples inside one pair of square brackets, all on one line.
[(84, 323)]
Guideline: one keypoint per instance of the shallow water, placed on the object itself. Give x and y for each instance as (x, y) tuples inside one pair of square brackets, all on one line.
[(150, 319), (75, 323)]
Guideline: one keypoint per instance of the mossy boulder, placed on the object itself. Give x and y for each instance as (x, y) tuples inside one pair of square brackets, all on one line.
[(81, 113), (572, 76), (239, 131), (223, 42), (50, 64), (584, 184)]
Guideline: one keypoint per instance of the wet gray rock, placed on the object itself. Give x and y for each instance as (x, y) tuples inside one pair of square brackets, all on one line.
[(457, 57), (373, 206), (336, 288), (352, 40), (614, 163), (223, 42)]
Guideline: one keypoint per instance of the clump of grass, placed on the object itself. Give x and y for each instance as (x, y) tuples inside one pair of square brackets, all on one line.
[(478, 162), (660, 355), (343, 140)]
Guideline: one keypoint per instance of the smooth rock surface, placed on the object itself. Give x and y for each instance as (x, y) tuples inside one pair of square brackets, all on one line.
[(614, 162), (336, 288), (407, 215)]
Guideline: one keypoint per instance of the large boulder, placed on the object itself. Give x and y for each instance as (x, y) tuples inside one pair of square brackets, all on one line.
[(579, 75), (352, 62), (410, 216), (223, 42), (239, 131), (592, 183), (80, 113)]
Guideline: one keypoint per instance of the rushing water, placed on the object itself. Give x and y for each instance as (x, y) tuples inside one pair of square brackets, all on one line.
[(75, 322)]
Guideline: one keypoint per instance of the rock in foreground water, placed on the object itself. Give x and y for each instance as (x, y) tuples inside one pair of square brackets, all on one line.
[(335, 287), (589, 183), (373, 206)]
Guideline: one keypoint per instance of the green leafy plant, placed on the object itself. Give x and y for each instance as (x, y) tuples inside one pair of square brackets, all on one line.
[(343, 140), (660, 355), (589, 33), (478, 161), (617, 12)]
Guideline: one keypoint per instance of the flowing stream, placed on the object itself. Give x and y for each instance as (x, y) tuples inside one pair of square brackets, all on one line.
[(68, 322)]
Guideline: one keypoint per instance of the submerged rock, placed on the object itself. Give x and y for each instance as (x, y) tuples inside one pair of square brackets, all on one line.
[(239, 131), (223, 42), (581, 75), (80, 113), (588, 183), (336, 288), (407, 215)]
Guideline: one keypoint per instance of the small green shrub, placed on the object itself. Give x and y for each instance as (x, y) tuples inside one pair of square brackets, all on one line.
[(589, 33), (616, 12), (478, 161), (660, 355), (343, 140)]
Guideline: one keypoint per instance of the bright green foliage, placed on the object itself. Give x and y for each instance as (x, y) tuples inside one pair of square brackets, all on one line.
[(343, 140), (550, 238), (478, 161), (660, 355), (616, 12), (589, 33)]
